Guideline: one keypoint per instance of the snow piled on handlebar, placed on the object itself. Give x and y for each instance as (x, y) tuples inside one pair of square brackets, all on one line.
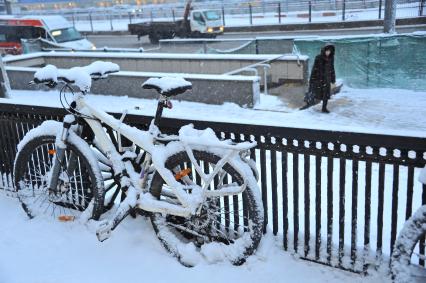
[(79, 76)]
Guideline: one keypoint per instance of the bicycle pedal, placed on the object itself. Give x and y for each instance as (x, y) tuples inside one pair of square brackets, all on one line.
[(133, 213), (104, 231)]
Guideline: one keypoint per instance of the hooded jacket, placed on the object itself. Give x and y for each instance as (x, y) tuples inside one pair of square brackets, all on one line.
[(323, 73)]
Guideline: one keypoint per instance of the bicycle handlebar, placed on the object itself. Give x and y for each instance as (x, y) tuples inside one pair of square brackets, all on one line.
[(80, 76)]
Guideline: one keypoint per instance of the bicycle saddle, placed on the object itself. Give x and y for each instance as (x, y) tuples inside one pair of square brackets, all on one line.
[(168, 86)]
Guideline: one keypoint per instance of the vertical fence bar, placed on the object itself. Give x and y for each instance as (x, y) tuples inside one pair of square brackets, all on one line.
[(279, 12), (354, 211), (226, 206), (6, 145), (264, 186), (394, 215), (2, 157), (296, 200), (342, 183), (284, 169), (13, 139), (91, 22), (380, 9), (329, 206), (130, 17), (245, 209), (73, 20), (318, 160), (274, 188), (307, 203), (367, 216), (173, 15), (381, 191), (4, 149), (110, 22), (310, 11), (343, 10), (223, 15), (410, 186), (251, 14)]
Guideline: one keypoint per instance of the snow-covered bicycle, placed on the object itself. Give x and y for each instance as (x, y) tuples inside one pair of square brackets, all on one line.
[(200, 192), (410, 236)]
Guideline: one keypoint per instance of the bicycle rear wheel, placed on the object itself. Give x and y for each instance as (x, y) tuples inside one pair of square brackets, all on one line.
[(228, 228)]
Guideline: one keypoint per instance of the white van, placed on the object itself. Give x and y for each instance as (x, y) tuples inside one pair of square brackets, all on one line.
[(52, 29)]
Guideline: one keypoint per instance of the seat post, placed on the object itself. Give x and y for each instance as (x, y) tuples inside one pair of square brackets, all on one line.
[(159, 113)]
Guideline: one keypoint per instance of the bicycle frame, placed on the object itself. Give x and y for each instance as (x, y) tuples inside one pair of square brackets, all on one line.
[(150, 142)]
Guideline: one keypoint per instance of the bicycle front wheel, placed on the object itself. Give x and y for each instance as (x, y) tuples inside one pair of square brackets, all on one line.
[(77, 187), (407, 264), (227, 228)]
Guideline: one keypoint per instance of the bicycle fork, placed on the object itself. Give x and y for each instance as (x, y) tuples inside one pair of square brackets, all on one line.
[(58, 161)]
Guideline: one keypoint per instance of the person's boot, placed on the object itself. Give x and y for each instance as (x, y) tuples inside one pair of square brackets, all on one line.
[(305, 107), (324, 106)]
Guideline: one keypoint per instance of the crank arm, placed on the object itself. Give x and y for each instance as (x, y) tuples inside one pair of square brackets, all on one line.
[(105, 228)]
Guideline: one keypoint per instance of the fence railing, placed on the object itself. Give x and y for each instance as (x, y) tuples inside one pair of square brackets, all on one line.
[(336, 198), (245, 13)]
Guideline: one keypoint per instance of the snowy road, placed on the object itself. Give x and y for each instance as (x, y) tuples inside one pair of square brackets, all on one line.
[(131, 41)]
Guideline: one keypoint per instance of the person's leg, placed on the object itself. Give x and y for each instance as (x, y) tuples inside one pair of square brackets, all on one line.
[(324, 104)]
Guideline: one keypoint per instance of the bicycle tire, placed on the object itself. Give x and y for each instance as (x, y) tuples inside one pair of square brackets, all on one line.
[(235, 250), (414, 231), (32, 167)]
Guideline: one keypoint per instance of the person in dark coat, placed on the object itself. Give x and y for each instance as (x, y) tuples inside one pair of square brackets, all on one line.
[(322, 76)]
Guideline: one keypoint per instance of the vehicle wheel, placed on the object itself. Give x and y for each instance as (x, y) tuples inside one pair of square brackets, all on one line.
[(196, 34), (408, 266), (228, 228), (78, 188), (154, 38)]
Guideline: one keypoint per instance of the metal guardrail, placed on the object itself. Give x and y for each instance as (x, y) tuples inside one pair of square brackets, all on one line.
[(336, 198), (248, 12)]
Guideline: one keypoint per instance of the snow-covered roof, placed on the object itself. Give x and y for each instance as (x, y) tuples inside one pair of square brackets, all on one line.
[(52, 22)]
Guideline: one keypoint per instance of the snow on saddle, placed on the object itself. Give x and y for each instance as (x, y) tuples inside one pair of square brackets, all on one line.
[(168, 86)]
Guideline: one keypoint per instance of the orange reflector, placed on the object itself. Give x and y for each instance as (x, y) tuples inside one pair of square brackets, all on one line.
[(182, 174), (66, 218), (52, 151)]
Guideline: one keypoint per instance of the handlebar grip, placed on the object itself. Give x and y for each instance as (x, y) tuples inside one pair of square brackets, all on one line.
[(49, 83)]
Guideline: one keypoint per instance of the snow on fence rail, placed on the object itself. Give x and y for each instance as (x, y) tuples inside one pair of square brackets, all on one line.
[(336, 198)]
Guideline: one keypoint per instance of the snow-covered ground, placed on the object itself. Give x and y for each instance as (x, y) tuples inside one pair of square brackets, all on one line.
[(382, 111), (259, 19), (45, 251)]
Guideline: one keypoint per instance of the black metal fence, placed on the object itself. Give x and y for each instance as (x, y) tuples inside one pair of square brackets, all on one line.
[(336, 198)]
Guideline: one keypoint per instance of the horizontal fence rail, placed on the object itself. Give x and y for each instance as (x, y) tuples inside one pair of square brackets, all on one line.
[(335, 198)]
